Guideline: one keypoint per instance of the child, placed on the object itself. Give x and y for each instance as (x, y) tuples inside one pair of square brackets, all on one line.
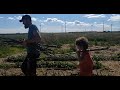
[(85, 61)]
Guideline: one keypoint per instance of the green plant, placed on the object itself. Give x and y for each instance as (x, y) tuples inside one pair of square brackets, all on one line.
[(18, 58), (98, 65), (98, 57), (116, 57), (6, 66)]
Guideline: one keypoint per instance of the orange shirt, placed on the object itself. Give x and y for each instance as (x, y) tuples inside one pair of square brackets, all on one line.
[(86, 65)]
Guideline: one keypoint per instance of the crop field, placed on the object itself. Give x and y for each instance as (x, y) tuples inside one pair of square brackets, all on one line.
[(62, 61)]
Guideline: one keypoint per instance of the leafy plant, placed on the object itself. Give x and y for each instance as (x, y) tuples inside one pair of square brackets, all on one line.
[(98, 65)]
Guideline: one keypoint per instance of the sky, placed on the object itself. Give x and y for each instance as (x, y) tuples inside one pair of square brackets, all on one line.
[(55, 23)]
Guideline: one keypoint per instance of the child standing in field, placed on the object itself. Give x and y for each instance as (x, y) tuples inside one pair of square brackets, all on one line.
[(85, 61)]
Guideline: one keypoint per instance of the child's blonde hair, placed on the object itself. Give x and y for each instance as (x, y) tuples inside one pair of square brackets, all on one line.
[(82, 41)]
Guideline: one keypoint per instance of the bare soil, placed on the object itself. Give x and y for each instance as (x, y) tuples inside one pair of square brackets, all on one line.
[(111, 68)]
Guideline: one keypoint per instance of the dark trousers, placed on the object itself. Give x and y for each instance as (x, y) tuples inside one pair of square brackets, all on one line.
[(29, 65)]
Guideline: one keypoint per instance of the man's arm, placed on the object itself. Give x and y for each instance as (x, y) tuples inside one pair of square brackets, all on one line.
[(35, 39)]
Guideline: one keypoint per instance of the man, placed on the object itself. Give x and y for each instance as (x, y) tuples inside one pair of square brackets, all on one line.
[(29, 65)]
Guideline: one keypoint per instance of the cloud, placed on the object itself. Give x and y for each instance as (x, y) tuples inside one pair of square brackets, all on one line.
[(42, 24), (18, 17), (11, 18), (1, 17), (100, 25), (77, 22), (70, 23), (79, 26), (34, 19), (85, 24), (114, 18), (53, 20), (94, 16), (81, 23)]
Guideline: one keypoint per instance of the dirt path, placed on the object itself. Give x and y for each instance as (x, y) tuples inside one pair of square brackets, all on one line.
[(112, 68)]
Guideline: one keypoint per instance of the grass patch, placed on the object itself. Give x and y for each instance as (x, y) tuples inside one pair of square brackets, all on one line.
[(7, 66), (7, 51), (98, 65), (52, 64), (99, 58), (19, 58)]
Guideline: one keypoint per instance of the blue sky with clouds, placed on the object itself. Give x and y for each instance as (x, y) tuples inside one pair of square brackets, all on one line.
[(9, 23)]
